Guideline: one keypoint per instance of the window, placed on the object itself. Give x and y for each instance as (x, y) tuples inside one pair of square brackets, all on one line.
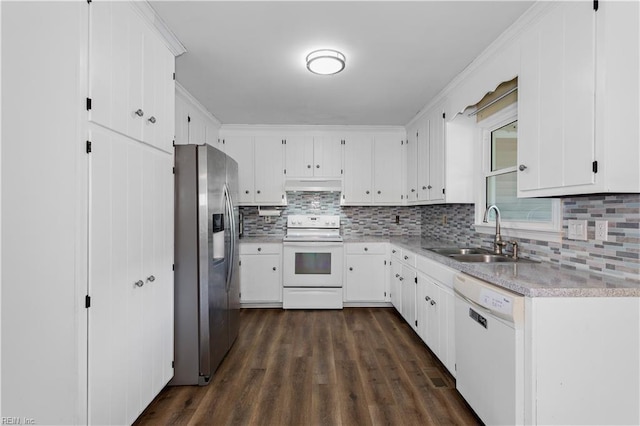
[(537, 218)]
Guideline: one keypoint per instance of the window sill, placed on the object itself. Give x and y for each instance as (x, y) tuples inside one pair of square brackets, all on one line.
[(553, 236)]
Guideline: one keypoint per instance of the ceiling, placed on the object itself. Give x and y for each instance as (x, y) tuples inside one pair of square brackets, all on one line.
[(245, 60)]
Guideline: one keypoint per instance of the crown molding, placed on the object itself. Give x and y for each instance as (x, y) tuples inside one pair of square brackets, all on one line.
[(149, 14), (279, 128)]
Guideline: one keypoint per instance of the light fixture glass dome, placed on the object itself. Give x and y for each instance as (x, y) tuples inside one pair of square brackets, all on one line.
[(325, 62)]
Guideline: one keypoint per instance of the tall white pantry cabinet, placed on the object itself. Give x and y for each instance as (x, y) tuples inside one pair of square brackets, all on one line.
[(87, 211)]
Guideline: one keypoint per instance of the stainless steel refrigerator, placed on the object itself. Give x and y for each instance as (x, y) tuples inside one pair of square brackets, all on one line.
[(207, 290)]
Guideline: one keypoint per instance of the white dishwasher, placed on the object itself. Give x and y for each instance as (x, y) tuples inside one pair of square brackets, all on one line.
[(490, 350)]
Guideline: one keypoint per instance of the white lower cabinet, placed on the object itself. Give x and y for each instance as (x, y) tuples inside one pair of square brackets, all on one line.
[(396, 285), (366, 276), (435, 314), (260, 273), (409, 283)]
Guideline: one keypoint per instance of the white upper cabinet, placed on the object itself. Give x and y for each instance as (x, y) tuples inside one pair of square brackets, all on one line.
[(317, 156), (194, 124), (387, 168), (411, 162), (130, 76), (358, 163), (578, 101), (260, 160)]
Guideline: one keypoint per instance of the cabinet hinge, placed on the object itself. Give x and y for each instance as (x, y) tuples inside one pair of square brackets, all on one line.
[(416, 280), (239, 262), (89, 1), (88, 104), (223, 141), (341, 171), (416, 135), (88, 147), (401, 142), (594, 167), (87, 302), (188, 119), (285, 171), (443, 191), (385, 262), (174, 75), (595, 5), (416, 323), (173, 143), (173, 267), (443, 115), (283, 196), (385, 294), (173, 364), (173, 170), (342, 142)]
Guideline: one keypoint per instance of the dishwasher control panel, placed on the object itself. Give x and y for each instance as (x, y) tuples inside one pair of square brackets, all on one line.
[(496, 301)]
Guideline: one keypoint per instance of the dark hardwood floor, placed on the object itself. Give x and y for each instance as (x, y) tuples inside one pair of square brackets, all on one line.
[(357, 366)]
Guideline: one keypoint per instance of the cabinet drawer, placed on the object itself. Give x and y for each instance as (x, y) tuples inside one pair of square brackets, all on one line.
[(257, 248), (409, 258), (436, 270), (365, 248)]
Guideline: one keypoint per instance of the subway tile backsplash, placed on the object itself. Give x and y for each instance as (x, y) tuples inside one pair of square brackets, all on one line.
[(620, 256)]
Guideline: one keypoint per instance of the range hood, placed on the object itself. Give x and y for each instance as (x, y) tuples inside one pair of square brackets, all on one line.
[(313, 184)]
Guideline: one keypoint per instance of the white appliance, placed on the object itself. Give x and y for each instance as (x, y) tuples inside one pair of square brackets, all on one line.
[(490, 350), (313, 256)]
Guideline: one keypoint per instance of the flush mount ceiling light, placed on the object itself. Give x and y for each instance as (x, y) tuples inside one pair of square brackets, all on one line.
[(325, 62)]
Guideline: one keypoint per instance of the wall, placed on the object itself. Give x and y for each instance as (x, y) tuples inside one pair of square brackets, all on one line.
[(356, 221), (620, 256)]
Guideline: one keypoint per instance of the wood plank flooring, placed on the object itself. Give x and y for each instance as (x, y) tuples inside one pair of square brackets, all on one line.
[(357, 366)]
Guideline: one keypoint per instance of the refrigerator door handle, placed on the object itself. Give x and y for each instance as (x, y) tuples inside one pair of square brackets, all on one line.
[(229, 208)]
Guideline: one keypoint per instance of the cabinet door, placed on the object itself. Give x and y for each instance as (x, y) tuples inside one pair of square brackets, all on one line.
[(409, 295), (182, 121), (436, 156), (269, 169), (299, 156), (197, 127), (396, 285), (412, 160), (240, 148), (423, 160), (422, 308), (387, 170), (364, 278), (556, 91), (357, 170), (327, 156), (260, 278), (115, 67)]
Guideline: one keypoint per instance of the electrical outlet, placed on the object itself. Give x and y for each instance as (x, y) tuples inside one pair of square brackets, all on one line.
[(398, 219), (577, 230), (444, 219), (602, 230)]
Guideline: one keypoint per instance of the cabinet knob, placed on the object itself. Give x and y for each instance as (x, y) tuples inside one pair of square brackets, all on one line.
[(259, 248), (429, 187), (522, 167), (393, 251), (139, 112), (351, 268), (152, 119), (274, 268), (413, 190), (366, 249), (367, 192), (246, 192), (401, 278), (406, 258), (258, 191), (433, 302), (308, 166), (397, 275), (317, 166), (379, 192), (151, 278), (427, 298), (424, 187), (139, 283)]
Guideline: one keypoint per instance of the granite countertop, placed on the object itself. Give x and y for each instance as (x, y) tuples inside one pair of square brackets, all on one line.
[(544, 279), (261, 240)]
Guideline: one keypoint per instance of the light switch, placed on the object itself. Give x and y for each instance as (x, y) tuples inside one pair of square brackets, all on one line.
[(577, 230)]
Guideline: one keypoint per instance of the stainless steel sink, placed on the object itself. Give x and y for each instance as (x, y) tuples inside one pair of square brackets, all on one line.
[(459, 251), (487, 258)]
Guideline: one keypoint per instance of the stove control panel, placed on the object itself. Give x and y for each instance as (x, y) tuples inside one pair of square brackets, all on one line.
[(313, 221)]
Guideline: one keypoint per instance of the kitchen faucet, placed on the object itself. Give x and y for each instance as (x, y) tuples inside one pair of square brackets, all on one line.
[(497, 243)]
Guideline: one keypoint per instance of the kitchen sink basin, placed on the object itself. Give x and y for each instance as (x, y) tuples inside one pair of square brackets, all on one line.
[(487, 258), (459, 251)]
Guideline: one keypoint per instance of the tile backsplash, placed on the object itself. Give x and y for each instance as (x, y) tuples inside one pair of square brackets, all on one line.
[(619, 256)]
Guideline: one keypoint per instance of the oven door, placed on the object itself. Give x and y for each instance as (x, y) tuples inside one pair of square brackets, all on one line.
[(312, 264)]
